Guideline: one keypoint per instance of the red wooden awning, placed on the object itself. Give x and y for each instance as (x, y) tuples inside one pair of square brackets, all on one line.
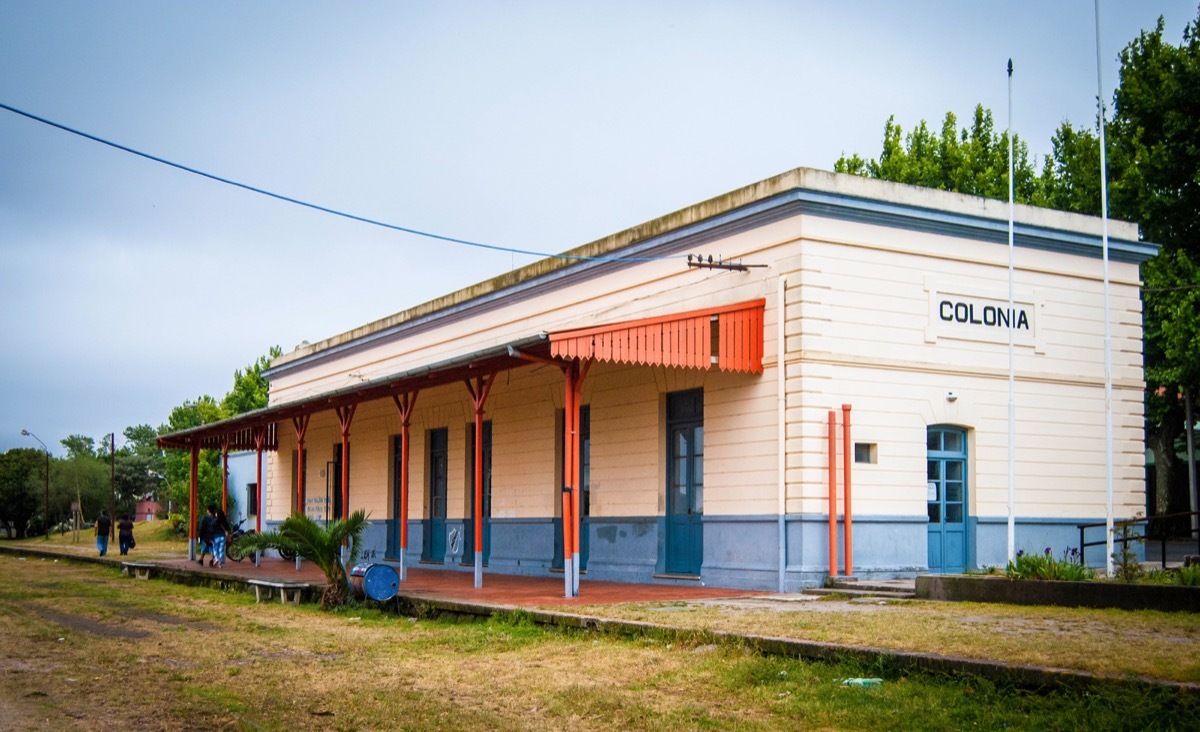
[(729, 337)]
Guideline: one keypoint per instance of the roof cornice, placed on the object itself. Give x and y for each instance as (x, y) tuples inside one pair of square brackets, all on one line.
[(799, 191)]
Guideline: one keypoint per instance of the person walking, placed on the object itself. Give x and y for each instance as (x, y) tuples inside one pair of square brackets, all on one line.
[(205, 531), (220, 535), (103, 527), (125, 534)]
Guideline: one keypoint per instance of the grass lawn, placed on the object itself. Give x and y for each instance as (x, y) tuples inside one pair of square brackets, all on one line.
[(82, 647), (1147, 643), (155, 539)]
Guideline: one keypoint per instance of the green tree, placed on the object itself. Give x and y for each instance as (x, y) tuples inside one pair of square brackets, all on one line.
[(203, 410), (1155, 142), (1153, 159), (970, 160), (22, 488), (249, 392), (80, 477), (249, 387), (1070, 178), (79, 445)]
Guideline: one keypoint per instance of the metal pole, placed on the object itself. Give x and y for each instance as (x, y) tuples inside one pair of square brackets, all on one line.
[(781, 417), (1108, 416), (848, 520), (833, 555), (112, 485), (1012, 401), (46, 520)]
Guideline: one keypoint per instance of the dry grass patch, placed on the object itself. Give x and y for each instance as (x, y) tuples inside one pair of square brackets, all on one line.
[(85, 648), (1140, 643)]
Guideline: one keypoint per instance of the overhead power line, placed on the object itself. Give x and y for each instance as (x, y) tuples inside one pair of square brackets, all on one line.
[(315, 206)]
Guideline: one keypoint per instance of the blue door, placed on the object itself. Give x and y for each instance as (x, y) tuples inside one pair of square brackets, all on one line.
[(685, 483), (946, 468), (433, 543)]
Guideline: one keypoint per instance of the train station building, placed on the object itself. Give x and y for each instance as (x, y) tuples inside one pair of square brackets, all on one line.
[(803, 377)]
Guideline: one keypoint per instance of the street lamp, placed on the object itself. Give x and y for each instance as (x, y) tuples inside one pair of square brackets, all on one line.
[(46, 521), (163, 478)]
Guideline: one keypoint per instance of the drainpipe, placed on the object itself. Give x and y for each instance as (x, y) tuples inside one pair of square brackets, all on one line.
[(781, 386), (846, 449), (833, 553)]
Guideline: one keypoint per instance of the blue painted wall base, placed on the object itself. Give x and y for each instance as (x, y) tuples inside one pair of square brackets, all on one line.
[(742, 552)]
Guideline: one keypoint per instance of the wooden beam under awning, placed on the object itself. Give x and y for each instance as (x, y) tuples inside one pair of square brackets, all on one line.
[(240, 430)]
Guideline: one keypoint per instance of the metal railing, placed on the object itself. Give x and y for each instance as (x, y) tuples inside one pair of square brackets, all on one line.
[(1163, 535)]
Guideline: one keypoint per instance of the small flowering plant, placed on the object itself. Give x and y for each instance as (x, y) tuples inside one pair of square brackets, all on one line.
[(1045, 567)]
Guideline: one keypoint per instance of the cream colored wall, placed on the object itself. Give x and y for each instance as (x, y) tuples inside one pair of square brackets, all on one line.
[(628, 444), (861, 328), (860, 332)]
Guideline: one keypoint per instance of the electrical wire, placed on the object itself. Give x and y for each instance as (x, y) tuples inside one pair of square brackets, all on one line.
[(318, 207)]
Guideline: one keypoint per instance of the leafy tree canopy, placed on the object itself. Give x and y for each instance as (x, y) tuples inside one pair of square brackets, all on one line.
[(1153, 159), (971, 160), (249, 387)]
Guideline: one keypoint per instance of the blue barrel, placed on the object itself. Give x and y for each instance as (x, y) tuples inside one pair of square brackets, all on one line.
[(376, 581)]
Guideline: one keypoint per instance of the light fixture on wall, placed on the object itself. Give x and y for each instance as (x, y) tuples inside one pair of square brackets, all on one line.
[(951, 396)]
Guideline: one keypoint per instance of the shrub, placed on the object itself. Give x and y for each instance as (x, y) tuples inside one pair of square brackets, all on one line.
[(1188, 576), (1126, 565), (1045, 567)]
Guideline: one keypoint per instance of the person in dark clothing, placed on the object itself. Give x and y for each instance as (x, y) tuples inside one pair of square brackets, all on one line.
[(125, 533), (220, 535), (103, 527), (206, 531)]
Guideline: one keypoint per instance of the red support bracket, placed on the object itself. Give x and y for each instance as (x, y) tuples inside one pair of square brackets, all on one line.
[(260, 441), (301, 425), (225, 474), (405, 403), (345, 416)]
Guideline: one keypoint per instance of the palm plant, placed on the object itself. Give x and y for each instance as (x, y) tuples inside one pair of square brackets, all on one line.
[(319, 544)]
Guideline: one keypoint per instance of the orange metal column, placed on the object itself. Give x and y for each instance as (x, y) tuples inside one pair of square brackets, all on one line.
[(260, 439), (345, 415), (581, 369), (405, 403), (568, 522), (479, 394), (225, 476), (301, 425)]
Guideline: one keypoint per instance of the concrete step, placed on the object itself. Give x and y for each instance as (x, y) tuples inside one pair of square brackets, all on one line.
[(888, 594)]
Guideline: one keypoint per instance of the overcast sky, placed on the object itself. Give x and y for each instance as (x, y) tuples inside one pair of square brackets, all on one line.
[(128, 287)]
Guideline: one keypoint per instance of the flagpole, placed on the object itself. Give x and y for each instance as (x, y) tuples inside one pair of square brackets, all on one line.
[(1012, 409), (1108, 416)]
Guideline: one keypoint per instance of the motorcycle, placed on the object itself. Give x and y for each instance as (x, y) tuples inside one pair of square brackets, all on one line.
[(237, 555), (234, 552)]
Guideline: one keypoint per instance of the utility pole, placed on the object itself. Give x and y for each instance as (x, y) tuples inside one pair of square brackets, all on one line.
[(112, 483)]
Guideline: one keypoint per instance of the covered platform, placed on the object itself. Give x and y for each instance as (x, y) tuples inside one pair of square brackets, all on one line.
[(502, 590)]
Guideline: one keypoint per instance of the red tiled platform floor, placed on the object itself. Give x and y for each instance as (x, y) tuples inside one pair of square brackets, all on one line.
[(498, 589)]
